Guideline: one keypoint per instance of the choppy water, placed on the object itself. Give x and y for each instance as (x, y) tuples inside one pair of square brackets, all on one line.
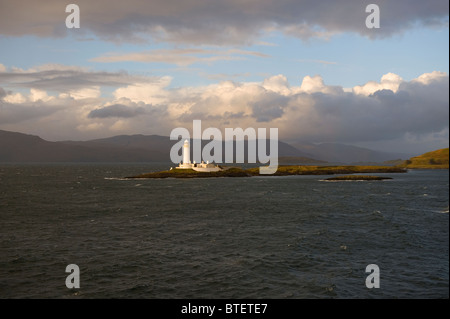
[(258, 237)]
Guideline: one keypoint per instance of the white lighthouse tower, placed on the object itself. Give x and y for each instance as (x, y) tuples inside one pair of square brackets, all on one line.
[(199, 167), (186, 153)]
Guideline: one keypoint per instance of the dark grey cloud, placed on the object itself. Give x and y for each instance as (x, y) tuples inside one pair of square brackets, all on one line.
[(216, 22), (117, 110), (223, 118), (269, 107), (416, 108), (62, 78), (11, 113)]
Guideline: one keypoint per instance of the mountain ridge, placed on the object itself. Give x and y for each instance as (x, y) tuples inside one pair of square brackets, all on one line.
[(21, 147), (343, 153)]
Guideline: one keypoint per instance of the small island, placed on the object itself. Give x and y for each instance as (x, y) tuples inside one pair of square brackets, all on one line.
[(186, 169), (282, 171), (190, 173), (357, 178)]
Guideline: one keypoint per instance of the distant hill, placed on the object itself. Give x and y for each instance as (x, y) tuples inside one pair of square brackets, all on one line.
[(19, 147), (342, 153), (434, 159), (154, 144)]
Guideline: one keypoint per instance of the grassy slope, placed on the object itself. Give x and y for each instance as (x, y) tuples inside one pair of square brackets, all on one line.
[(434, 159)]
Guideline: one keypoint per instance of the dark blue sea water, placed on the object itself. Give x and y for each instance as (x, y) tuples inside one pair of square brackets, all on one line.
[(257, 237)]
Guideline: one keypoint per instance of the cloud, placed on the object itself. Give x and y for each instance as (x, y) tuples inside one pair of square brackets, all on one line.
[(315, 84), (277, 83), (384, 110), (90, 127), (269, 107), (63, 78), (388, 81), (116, 110), (149, 92), (217, 22), (385, 114), (180, 57), (321, 113), (17, 108), (39, 95), (428, 78), (84, 93)]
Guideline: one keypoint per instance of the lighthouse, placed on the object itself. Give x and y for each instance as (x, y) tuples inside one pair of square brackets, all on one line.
[(186, 153), (199, 167)]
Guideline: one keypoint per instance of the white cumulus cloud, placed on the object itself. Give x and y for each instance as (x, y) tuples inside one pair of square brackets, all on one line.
[(389, 81)]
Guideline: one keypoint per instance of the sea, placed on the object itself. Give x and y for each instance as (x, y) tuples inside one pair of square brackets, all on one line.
[(286, 237)]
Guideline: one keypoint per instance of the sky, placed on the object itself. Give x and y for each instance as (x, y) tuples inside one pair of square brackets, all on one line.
[(312, 69)]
